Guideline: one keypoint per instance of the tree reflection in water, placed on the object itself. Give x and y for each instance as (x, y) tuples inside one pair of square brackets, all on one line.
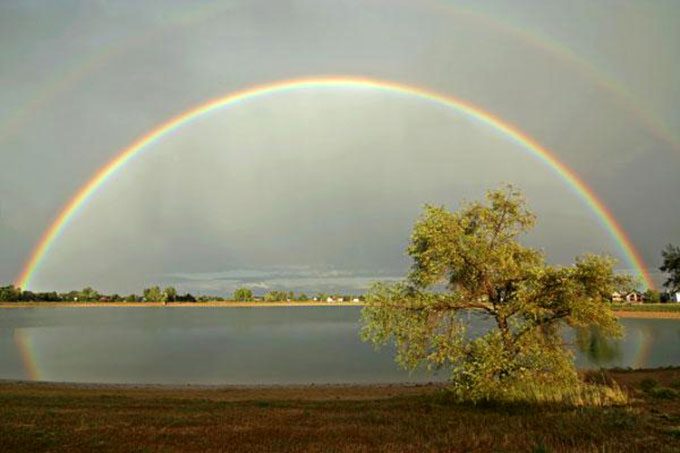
[(599, 349)]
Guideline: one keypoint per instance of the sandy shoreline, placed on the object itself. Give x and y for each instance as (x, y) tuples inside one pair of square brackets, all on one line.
[(308, 392)]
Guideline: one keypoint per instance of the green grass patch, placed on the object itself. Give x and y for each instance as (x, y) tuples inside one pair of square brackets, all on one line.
[(667, 308)]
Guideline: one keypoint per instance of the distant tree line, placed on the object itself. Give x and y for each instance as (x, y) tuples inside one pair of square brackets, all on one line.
[(246, 295), (11, 293)]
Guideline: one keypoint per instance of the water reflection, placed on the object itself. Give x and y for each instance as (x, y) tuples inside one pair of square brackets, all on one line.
[(253, 346), (599, 349)]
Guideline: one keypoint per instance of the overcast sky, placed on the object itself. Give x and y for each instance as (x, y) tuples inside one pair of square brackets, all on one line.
[(317, 190)]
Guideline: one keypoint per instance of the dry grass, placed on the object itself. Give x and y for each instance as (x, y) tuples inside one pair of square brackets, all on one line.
[(326, 418)]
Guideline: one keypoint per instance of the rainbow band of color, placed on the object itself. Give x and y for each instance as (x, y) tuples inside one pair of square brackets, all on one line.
[(81, 197)]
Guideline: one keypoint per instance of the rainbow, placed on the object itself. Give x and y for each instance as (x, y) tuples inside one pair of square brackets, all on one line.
[(24, 345), (609, 84), (43, 97), (79, 200), (198, 15), (644, 347)]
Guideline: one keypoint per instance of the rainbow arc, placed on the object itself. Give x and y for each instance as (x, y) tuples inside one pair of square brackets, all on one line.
[(511, 132)]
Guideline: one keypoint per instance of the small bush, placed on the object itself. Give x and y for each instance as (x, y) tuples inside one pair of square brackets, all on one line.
[(663, 393), (622, 420), (577, 395), (647, 384), (676, 384), (540, 448)]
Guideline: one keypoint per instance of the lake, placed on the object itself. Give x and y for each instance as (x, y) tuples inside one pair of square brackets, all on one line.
[(273, 345)]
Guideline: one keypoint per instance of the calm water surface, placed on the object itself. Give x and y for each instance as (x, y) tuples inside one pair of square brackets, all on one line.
[(279, 345)]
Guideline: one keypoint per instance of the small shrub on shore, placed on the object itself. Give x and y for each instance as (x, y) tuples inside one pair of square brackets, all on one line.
[(664, 393), (648, 384)]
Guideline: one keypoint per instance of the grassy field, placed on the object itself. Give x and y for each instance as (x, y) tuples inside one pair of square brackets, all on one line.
[(662, 308), (329, 418)]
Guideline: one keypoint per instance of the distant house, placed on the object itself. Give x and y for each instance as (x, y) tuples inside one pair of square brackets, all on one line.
[(356, 299), (674, 297), (330, 299), (634, 297), (616, 296)]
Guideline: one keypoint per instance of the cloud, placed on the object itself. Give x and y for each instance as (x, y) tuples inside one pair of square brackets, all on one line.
[(287, 278)]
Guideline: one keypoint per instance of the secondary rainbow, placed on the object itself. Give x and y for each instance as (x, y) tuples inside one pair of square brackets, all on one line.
[(79, 200)]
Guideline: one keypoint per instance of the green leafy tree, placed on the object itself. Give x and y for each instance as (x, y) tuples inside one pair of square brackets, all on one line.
[(276, 296), (470, 264), (88, 295), (243, 295), (652, 296), (303, 297), (153, 294), (169, 294), (186, 298), (671, 266), (10, 293)]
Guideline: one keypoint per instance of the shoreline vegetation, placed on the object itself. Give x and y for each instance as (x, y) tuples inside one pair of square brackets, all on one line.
[(667, 310), (397, 417)]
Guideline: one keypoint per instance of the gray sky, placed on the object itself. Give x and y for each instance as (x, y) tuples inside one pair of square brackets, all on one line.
[(317, 189)]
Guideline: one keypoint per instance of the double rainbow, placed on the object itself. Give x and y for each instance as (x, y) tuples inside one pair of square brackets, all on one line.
[(79, 200)]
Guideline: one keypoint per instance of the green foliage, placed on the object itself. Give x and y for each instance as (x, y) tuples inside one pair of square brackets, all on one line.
[(652, 296), (277, 296), (652, 388), (153, 294), (475, 255), (88, 295), (186, 298), (671, 266), (243, 295), (663, 393), (597, 347), (303, 297), (662, 307), (169, 294), (648, 384), (10, 293)]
